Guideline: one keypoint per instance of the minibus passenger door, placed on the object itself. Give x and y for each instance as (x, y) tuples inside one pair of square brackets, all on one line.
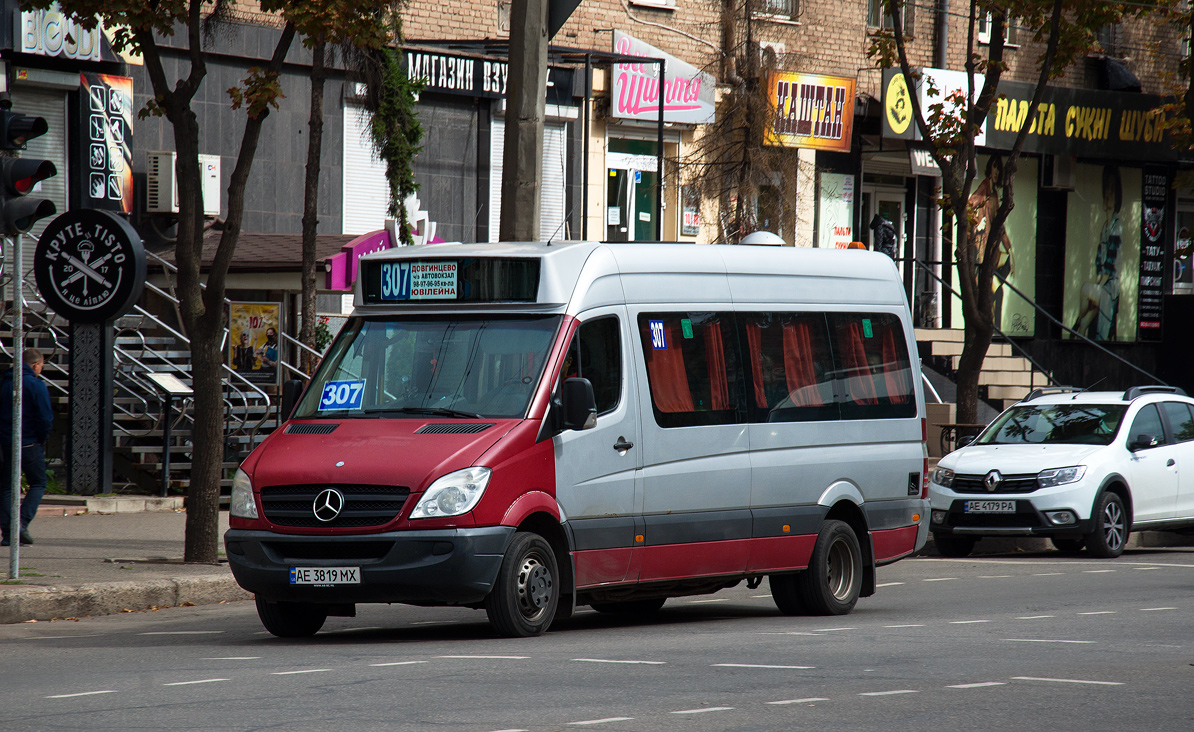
[(595, 468)]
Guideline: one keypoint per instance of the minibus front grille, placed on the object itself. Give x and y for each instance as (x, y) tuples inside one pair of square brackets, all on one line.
[(364, 505), (452, 429), (311, 429), (287, 551), (1008, 484)]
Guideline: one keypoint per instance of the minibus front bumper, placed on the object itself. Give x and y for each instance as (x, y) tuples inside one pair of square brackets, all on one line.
[(433, 567)]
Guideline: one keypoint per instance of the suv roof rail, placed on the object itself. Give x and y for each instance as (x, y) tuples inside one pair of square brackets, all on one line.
[(1044, 390), (1138, 391)]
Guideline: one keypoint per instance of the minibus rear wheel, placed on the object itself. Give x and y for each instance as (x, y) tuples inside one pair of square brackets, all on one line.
[(523, 600), (291, 619), (833, 580)]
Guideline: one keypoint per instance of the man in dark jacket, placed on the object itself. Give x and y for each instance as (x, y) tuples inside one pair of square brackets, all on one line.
[(36, 419)]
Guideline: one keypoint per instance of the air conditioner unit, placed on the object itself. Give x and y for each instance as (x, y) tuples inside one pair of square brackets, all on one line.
[(161, 187), (1057, 172)]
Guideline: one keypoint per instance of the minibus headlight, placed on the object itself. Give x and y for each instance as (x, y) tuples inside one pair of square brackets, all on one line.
[(943, 477), (242, 504), (453, 494), (1060, 476)]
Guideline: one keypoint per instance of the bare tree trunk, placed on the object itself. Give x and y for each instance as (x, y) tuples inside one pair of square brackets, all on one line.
[(311, 201)]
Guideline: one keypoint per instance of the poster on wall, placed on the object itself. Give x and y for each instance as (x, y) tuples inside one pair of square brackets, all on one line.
[(835, 201), (690, 224), (106, 169), (1013, 315), (253, 333), (1152, 253), (1102, 252), (1183, 254)]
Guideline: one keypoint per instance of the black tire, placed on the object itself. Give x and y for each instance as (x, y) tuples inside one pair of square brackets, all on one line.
[(1068, 545), (630, 607), (291, 619), (523, 600), (954, 546), (831, 584), (1111, 528), (786, 594)]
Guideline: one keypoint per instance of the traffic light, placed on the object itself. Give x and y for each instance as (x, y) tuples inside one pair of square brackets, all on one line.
[(18, 176)]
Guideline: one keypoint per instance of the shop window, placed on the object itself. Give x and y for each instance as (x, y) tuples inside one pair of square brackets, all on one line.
[(779, 8), (876, 17), (1009, 31), (790, 367), (692, 368), (595, 353), (874, 372)]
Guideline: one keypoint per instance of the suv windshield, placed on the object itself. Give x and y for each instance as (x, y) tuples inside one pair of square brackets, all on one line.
[(464, 367), (1081, 424)]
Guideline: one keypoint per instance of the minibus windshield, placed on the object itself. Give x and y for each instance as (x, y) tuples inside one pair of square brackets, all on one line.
[(1082, 424), (438, 366)]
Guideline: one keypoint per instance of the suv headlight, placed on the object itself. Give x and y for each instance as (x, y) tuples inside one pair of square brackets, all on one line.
[(943, 477), (242, 504), (453, 494), (1060, 476)]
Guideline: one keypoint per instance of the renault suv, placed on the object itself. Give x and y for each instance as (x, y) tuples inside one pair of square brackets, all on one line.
[(1082, 468)]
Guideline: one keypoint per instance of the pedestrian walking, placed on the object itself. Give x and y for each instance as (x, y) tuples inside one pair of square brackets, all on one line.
[(36, 419)]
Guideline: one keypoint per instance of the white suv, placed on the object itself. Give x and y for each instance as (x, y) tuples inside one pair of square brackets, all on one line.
[(1083, 468)]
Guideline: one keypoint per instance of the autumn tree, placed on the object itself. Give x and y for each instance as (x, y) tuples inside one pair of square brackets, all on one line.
[(1064, 32), (142, 27)]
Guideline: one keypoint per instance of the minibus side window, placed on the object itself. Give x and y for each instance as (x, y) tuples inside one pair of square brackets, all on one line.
[(595, 353), (790, 370), (874, 372), (692, 368)]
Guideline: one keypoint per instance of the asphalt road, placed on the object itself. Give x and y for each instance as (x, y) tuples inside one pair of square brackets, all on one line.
[(1000, 642)]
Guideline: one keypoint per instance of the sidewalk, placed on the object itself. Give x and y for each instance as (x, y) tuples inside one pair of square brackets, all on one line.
[(96, 564)]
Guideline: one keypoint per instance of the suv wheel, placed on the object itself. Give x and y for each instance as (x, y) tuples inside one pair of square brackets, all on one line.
[(1068, 545), (1110, 533)]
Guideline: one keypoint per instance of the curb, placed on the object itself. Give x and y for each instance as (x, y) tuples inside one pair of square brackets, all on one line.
[(21, 604), (59, 505)]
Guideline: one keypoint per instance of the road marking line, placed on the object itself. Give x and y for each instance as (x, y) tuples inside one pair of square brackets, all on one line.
[(1097, 571), (603, 721), (978, 685), (993, 576), (1048, 574), (909, 625), (831, 630), (760, 597), (304, 671), (1153, 609), (940, 579), (234, 658), (511, 730), (809, 700), (1035, 617), (889, 693), (611, 660), (888, 584), (81, 693), (756, 665), (490, 658), (702, 711), (398, 663), (57, 637), (716, 599), (1043, 640), (199, 681), (1099, 612), (1068, 681), (967, 622), (183, 632), (1145, 569)]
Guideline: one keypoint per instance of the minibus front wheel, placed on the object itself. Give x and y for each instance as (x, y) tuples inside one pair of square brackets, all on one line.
[(291, 619), (523, 600)]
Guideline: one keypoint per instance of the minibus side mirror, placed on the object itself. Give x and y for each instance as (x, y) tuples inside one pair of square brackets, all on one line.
[(578, 406), (292, 389)]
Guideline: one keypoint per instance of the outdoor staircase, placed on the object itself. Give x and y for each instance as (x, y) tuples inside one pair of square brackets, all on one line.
[(1005, 379), (146, 343)]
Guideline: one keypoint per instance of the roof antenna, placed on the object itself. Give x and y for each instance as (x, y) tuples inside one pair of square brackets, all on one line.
[(1080, 391)]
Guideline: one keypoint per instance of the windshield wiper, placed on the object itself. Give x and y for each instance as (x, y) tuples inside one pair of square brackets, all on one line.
[(437, 411)]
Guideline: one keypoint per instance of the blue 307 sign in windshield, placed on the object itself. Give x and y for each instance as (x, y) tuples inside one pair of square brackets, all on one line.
[(413, 280)]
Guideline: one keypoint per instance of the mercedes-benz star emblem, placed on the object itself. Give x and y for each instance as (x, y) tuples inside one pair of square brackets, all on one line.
[(328, 504), (992, 481)]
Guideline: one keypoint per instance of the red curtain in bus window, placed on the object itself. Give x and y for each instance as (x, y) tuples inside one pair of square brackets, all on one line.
[(719, 387), (894, 375), (798, 366), (665, 370), (862, 386), (754, 340)]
